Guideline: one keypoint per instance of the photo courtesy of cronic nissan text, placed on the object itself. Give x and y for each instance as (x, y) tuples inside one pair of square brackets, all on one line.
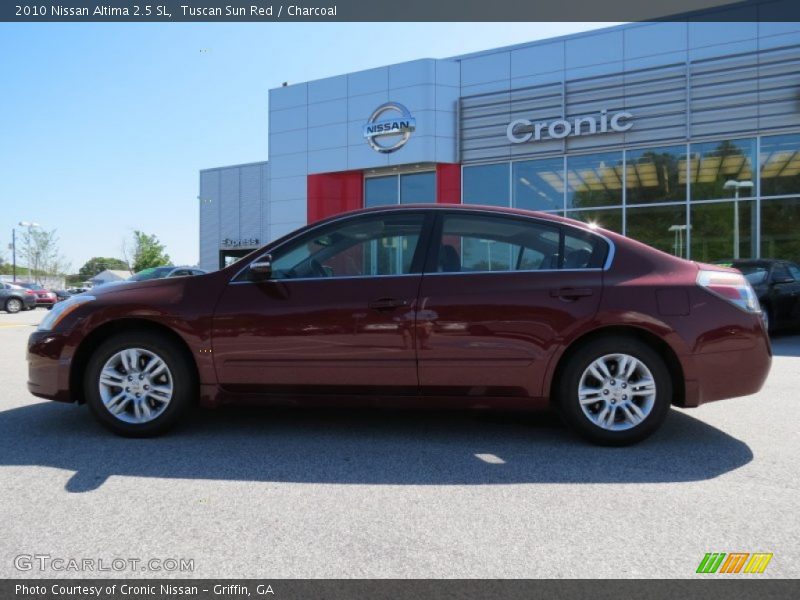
[(349, 300)]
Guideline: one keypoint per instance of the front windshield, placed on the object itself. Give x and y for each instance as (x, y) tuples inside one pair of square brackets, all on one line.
[(152, 273), (755, 274)]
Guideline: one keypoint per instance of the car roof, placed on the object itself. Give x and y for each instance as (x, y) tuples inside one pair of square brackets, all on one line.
[(503, 210)]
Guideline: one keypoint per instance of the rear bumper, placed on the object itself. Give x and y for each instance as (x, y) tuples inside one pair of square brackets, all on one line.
[(712, 376), (48, 372)]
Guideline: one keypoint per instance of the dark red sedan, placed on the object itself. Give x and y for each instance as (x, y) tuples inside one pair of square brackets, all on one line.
[(44, 297), (423, 306)]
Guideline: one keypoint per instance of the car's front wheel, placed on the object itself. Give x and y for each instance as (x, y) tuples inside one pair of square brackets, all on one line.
[(615, 391), (138, 384), (13, 305)]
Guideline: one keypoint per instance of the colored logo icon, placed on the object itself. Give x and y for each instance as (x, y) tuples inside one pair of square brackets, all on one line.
[(734, 562)]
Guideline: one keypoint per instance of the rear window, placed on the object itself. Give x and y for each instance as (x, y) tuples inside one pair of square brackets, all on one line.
[(480, 243), (755, 274)]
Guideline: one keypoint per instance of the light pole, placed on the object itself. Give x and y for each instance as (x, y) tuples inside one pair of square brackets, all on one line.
[(736, 186), (31, 225), (14, 254), (677, 247)]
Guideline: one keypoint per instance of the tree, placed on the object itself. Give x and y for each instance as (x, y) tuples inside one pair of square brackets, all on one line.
[(148, 252), (98, 264), (39, 251)]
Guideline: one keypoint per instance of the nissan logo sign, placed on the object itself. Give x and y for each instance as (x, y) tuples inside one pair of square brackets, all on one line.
[(389, 127), (523, 130)]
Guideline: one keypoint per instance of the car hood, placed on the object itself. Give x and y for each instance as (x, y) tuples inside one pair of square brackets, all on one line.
[(123, 287)]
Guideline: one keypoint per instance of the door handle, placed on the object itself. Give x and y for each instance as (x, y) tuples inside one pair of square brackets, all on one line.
[(571, 293), (387, 304)]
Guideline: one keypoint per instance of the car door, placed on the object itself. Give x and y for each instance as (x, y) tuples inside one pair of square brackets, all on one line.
[(337, 314), (794, 293), (782, 288), (498, 294)]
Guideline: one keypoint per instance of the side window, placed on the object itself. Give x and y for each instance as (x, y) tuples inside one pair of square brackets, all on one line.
[(362, 247), (581, 251), (795, 271), (181, 273), (780, 272), (491, 243), (488, 243)]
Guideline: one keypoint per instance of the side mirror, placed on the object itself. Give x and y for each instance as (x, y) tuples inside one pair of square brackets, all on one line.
[(262, 267)]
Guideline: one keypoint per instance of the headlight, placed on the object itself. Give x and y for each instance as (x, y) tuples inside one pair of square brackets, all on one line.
[(61, 310)]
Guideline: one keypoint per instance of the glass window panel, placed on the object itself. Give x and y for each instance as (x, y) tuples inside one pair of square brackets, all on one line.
[(418, 187), (780, 229), (486, 184), (605, 219), (483, 243), (539, 184), (380, 245), (715, 235), (780, 165), (380, 191), (662, 227), (594, 180), (713, 164), (656, 175)]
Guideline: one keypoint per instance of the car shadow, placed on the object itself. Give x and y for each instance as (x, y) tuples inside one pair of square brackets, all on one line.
[(362, 447), (786, 344)]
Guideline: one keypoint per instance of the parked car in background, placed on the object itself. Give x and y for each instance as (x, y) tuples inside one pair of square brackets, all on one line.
[(44, 297), (14, 298), (416, 306), (62, 295), (164, 273), (155, 273), (777, 285)]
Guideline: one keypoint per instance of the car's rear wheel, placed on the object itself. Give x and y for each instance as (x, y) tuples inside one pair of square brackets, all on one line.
[(138, 384), (13, 305), (615, 391)]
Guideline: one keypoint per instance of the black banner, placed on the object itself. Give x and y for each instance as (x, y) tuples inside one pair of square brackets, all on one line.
[(405, 10), (400, 589)]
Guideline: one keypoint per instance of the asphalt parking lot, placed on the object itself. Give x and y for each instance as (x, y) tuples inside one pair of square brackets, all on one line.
[(281, 493)]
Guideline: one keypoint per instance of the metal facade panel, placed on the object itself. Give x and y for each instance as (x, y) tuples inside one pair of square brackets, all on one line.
[(250, 202), (732, 95), (209, 219), (229, 202)]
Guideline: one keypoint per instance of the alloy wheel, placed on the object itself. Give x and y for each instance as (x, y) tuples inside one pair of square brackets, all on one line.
[(136, 385), (13, 305), (617, 392)]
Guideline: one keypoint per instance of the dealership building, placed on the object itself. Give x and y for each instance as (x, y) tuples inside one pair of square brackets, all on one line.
[(685, 135)]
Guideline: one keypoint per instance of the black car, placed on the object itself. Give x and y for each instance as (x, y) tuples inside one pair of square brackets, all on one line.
[(62, 294), (14, 298), (777, 284)]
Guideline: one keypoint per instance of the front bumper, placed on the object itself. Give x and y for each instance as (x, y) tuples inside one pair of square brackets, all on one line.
[(48, 372)]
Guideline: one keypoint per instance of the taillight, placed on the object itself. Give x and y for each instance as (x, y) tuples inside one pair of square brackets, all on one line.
[(732, 287)]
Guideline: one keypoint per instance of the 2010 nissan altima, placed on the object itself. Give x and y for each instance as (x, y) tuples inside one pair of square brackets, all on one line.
[(417, 306)]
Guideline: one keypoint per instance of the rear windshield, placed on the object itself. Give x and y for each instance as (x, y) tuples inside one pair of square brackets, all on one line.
[(754, 273)]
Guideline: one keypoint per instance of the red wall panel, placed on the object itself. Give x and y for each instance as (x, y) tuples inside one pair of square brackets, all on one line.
[(333, 193), (448, 183)]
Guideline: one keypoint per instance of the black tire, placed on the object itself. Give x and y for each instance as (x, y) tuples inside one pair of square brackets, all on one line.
[(14, 305), (567, 397), (183, 381)]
